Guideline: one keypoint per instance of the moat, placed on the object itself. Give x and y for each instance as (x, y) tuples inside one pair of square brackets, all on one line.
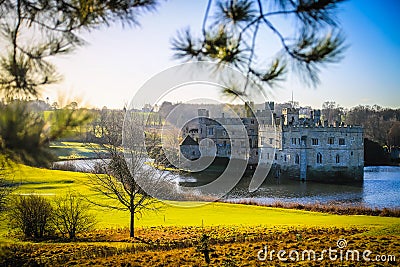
[(381, 188)]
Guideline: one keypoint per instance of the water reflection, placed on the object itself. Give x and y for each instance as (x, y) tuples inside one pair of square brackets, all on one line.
[(381, 188)]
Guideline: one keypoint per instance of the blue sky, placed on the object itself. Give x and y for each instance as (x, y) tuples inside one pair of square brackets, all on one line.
[(118, 60)]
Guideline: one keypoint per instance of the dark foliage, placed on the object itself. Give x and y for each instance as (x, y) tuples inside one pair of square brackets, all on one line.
[(232, 37), (31, 215), (25, 67), (374, 154), (25, 134), (71, 215)]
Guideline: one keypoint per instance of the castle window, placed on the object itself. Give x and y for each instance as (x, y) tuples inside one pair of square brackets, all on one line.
[(331, 140), (297, 159), (319, 158), (210, 131), (224, 133), (276, 156), (250, 143), (342, 142), (267, 155), (294, 141), (337, 159), (314, 141), (271, 140), (252, 121), (285, 158)]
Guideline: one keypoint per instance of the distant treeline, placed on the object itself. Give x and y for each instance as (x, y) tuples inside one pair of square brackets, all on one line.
[(381, 125), (381, 130)]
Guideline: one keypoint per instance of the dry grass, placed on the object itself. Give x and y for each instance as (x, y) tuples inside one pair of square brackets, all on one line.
[(179, 246), (339, 209)]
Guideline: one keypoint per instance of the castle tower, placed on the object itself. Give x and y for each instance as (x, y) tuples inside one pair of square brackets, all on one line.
[(291, 116)]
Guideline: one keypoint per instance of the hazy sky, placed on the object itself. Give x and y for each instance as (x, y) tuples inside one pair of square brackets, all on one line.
[(118, 60)]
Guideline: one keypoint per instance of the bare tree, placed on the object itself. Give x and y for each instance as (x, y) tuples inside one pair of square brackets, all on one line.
[(32, 215), (71, 215), (377, 122), (332, 112), (394, 135), (5, 187), (129, 180)]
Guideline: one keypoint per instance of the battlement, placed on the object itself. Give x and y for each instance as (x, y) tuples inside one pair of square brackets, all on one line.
[(300, 147)]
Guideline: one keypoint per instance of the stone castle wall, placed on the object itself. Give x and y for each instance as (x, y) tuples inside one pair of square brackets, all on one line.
[(298, 150), (324, 153)]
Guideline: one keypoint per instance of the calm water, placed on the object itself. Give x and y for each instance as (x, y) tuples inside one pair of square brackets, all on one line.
[(381, 188)]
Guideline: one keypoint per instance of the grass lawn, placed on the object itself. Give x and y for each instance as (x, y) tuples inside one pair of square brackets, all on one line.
[(172, 237), (73, 150), (51, 183)]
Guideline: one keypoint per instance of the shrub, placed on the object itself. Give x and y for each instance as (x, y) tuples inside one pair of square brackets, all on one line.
[(31, 215), (71, 215)]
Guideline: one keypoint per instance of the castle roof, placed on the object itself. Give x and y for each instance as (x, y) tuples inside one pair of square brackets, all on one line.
[(189, 141)]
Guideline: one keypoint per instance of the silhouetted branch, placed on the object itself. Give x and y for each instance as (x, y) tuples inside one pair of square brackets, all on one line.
[(233, 39)]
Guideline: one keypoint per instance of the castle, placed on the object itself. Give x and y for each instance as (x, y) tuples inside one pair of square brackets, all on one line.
[(297, 148)]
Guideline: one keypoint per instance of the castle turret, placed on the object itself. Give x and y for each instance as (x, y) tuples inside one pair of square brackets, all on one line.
[(270, 106), (291, 116), (201, 112), (316, 117), (249, 107)]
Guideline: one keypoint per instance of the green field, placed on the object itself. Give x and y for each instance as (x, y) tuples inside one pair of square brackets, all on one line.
[(51, 183), (75, 150), (172, 237)]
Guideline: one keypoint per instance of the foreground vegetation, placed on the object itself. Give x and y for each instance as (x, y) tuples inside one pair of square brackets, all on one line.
[(186, 246), (340, 209), (53, 183), (175, 235)]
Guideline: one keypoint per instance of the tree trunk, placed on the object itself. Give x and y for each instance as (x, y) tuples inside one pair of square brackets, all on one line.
[(132, 224)]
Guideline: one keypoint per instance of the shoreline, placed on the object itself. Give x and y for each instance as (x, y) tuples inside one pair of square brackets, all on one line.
[(338, 209)]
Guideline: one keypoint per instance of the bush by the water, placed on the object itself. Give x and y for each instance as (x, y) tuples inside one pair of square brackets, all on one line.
[(339, 209)]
